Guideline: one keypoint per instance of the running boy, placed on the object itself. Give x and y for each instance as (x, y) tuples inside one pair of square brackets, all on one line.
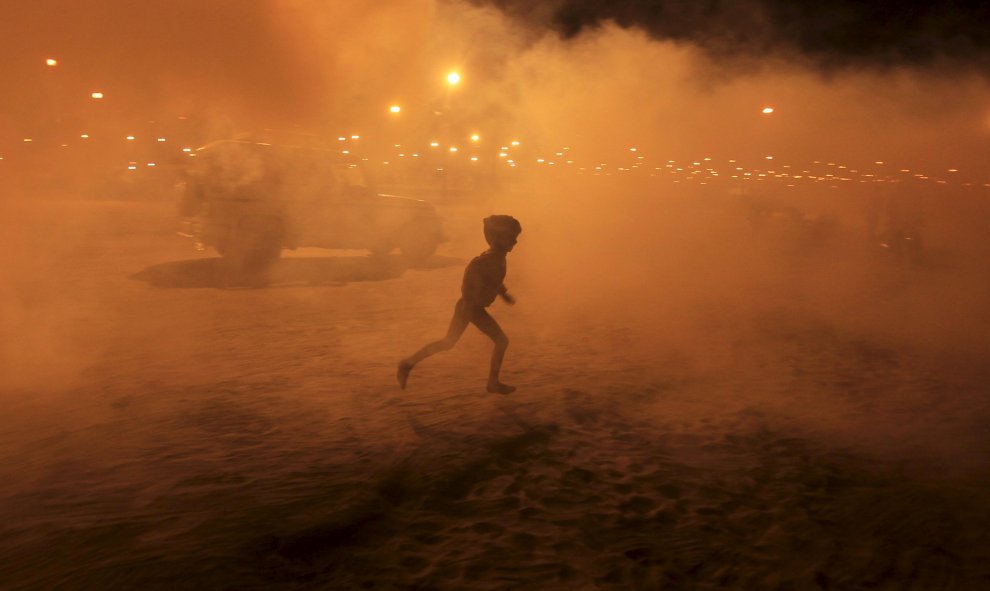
[(482, 282)]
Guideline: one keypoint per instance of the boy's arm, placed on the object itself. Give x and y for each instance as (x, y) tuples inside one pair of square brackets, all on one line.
[(505, 295)]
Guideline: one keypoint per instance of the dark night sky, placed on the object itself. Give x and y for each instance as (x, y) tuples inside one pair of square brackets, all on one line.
[(832, 34)]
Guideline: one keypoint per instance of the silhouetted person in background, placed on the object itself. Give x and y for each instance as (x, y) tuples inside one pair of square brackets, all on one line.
[(482, 282)]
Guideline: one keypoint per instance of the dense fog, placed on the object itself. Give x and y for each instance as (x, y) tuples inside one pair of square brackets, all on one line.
[(728, 213)]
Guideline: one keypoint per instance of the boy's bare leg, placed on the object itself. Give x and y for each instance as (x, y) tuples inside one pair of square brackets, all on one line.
[(457, 325), (490, 327)]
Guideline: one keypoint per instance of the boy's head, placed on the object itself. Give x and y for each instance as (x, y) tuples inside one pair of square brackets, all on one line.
[(501, 231)]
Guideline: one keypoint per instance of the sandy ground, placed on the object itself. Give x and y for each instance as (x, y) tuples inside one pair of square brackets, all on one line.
[(679, 424)]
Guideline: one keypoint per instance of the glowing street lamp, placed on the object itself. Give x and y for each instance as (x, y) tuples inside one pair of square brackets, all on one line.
[(395, 109), (768, 110), (51, 62), (96, 95), (453, 78)]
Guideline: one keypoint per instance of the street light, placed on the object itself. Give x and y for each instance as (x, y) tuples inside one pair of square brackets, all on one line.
[(51, 62), (453, 78), (96, 95), (395, 109)]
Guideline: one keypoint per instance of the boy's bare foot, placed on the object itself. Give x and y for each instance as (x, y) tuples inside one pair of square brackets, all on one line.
[(496, 387), (403, 373)]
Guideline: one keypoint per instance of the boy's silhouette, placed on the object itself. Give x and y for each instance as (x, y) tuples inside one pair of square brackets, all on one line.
[(482, 282)]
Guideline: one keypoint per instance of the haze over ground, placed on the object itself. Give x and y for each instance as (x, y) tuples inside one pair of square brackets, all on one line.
[(668, 288)]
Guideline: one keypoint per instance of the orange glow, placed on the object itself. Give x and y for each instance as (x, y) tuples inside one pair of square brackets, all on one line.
[(453, 78), (96, 95), (51, 61), (475, 137), (395, 109), (767, 110)]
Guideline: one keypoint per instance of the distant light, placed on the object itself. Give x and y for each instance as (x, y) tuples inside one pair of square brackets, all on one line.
[(502, 154), (474, 158), (85, 136), (130, 137), (475, 137), (187, 149), (151, 164), (51, 61), (633, 149), (515, 142), (355, 137), (96, 95), (28, 140), (434, 144), (453, 148), (953, 170), (345, 151), (132, 167), (342, 138), (161, 139), (453, 78), (769, 157), (767, 110), (395, 108), (878, 162), (540, 160)]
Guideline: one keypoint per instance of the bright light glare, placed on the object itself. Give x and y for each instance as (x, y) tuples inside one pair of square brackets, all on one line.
[(395, 108), (453, 78), (51, 61), (130, 137), (355, 137), (515, 142), (767, 110), (453, 149), (97, 95), (475, 137), (434, 144), (85, 136), (161, 139)]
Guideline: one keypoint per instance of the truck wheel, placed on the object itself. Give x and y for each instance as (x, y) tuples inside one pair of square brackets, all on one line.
[(256, 244)]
